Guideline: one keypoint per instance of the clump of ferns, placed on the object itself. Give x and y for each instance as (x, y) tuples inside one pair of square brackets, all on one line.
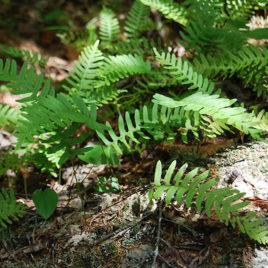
[(199, 190)]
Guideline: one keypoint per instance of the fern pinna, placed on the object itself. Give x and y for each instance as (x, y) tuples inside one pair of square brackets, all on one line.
[(199, 190), (9, 208)]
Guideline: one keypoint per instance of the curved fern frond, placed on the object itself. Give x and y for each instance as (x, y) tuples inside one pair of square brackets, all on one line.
[(183, 73), (137, 19), (194, 189), (26, 81), (169, 8), (219, 108), (109, 26), (10, 210)]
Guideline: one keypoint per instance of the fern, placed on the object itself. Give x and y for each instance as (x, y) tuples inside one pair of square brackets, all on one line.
[(169, 8), (8, 115), (137, 19), (26, 81), (219, 108), (157, 123), (109, 26), (55, 120), (85, 74), (227, 63), (118, 67), (249, 64), (30, 56), (194, 189), (9, 209), (183, 73)]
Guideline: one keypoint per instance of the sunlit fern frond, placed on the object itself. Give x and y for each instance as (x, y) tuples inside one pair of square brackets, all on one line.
[(199, 190), (169, 8)]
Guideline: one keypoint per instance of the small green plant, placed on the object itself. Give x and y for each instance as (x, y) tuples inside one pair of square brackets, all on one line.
[(45, 201), (107, 185), (199, 190)]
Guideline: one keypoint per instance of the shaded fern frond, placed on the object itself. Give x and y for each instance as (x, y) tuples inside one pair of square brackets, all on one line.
[(227, 63), (169, 8), (30, 56), (183, 73), (10, 210), (194, 189), (109, 26), (219, 108), (137, 19), (26, 81), (55, 114)]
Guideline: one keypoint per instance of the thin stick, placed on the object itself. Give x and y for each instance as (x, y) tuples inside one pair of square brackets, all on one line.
[(158, 235)]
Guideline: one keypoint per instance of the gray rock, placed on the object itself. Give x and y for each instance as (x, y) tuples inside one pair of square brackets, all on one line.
[(139, 257)]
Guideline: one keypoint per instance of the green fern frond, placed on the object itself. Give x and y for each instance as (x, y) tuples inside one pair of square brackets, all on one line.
[(30, 56), (8, 115), (122, 66), (9, 209), (157, 123), (182, 72), (226, 63), (85, 74), (26, 81), (194, 189), (219, 108), (137, 19), (109, 26), (169, 8), (262, 116), (55, 114), (239, 8)]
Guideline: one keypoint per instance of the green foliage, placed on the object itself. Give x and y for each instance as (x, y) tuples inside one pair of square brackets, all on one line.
[(135, 23), (8, 115), (248, 63), (107, 185), (45, 202), (183, 73), (127, 76), (31, 56), (109, 26), (193, 189), (26, 81), (218, 108), (169, 8), (10, 210)]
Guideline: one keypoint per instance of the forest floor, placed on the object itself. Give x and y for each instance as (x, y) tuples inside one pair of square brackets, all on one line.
[(122, 229)]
